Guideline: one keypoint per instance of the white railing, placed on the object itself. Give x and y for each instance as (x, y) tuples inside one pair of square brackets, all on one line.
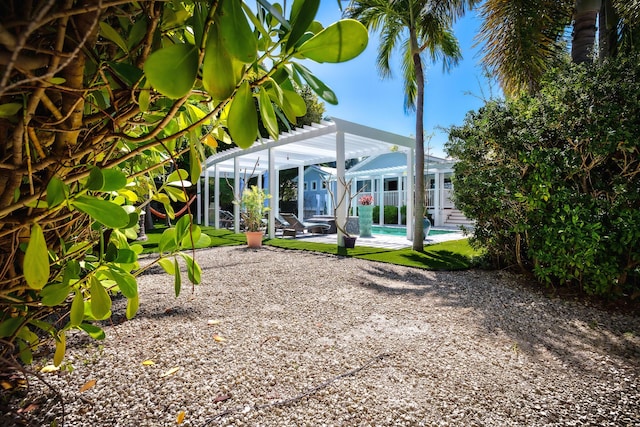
[(429, 196), (395, 198)]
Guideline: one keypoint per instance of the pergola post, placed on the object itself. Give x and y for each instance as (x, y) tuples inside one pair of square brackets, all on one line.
[(199, 199), (206, 197), (409, 193), (341, 207), (273, 191), (301, 193), (236, 194), (399, 199), (216, 197)]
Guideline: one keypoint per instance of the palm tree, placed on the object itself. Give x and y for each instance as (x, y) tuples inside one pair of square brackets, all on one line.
[(421, 27), (524, 38)]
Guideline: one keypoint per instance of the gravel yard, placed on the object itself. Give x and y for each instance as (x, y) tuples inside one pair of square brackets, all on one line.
[(289, 338)]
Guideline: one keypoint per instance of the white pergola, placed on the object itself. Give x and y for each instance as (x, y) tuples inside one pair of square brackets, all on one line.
[(335, 140)]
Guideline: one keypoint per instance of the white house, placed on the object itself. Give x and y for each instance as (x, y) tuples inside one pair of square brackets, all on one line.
[(384, 176)]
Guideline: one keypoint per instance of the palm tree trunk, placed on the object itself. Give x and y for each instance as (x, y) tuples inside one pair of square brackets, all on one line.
[(584, 30), (418, 203)]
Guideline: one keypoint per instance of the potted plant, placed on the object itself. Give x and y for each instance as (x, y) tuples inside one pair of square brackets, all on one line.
[(348, 241), (252, 203), (365, 214)]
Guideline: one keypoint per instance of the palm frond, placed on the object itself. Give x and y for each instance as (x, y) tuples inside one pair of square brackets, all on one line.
[(521, 39)]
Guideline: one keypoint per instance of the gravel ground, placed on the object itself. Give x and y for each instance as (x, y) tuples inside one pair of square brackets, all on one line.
[(288, 338)]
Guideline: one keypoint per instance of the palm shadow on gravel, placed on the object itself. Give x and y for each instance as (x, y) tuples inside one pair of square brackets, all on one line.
[(535, 322)]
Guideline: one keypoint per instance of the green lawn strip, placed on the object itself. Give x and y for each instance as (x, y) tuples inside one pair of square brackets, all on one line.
[(219, 237), (326, 248), (450, 255)]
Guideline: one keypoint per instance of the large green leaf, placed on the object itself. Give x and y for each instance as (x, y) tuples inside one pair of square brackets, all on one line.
[(77, 309), (167, 241), (128, 73), (268, 115), (293, 105), (194, 161), (172, 70), (316, 84), (126, 282), (56, 191), (114, 179), (100, 299), (9, 326), (95, 180), (182, 227), (243, 117), (109, 33), (339, 42), (177, 176), (94, 331), (176, 194), (302, 14), (177, 283), (126, 256), (237, 36), (194, 272), (61, 348), (103, 211), (55, 294), (167, 265), (132, 306), (9, 110), (220, 72), (36, 259)]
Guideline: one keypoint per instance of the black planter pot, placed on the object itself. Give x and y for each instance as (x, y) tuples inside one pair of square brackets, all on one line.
[(349, 242)]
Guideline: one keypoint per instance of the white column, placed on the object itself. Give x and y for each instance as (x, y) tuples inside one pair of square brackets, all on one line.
[(409, 193), (399, 202), (206, 197), (341, 208), (199, 201), (216, 197), (381, 198), (236, 194), (437, 200), (301, 193), (273, 190)]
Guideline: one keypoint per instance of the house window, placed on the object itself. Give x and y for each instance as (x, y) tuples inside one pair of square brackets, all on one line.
[(305, 186), (314, 185), (324, 185)]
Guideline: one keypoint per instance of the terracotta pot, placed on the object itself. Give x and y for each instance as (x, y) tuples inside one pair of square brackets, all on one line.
[(254, 238)]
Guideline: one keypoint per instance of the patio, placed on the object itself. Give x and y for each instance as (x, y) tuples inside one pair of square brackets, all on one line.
[(387, 241)]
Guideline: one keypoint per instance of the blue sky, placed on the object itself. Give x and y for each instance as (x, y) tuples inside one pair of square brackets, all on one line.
[(364, 97)]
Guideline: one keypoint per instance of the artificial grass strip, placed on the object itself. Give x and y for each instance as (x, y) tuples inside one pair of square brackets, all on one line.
[(326, 248), (219, 237), (450, 255)]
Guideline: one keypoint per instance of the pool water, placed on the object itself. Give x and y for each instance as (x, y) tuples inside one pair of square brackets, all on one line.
[(402, 231)]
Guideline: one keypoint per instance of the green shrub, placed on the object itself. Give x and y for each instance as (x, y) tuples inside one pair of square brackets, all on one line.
[(553, 180), (390, 214)]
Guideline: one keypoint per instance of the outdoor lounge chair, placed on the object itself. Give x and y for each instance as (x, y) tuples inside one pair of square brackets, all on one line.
[(301, 227), (284, 226), (226, 219)]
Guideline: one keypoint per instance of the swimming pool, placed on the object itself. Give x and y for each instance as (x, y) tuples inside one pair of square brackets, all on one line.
[(400, 230)]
